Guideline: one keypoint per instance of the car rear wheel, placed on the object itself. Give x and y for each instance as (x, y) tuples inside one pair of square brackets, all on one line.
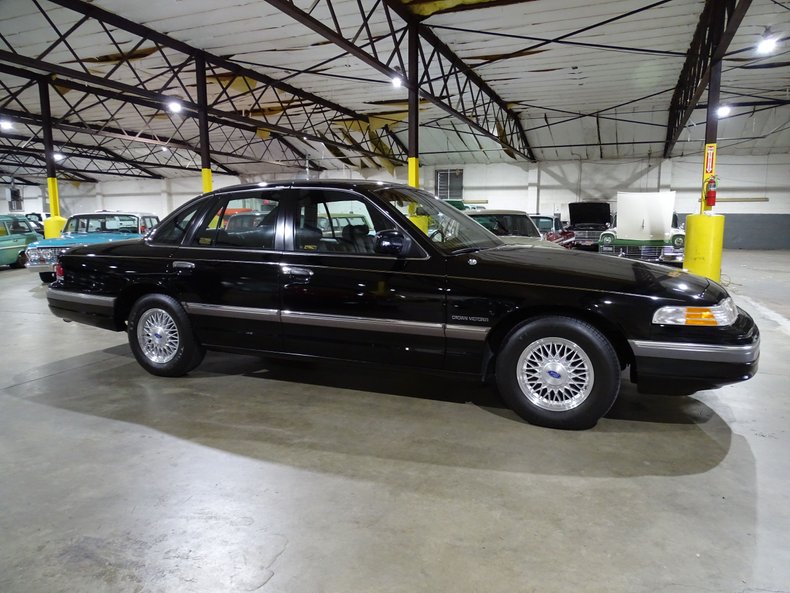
[(21, 260), (161, 337), (558, 372)]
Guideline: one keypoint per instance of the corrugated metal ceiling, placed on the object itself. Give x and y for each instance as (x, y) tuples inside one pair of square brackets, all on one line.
[(590, 80)]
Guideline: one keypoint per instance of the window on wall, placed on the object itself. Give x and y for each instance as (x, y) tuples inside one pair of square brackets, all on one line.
[(450, 184), (16, 203)]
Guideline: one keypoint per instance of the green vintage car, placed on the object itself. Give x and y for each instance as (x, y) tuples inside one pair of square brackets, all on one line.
[(645, 228), (15, 235)]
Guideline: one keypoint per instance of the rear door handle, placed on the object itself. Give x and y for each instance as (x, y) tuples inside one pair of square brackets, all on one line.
[(297, 272)]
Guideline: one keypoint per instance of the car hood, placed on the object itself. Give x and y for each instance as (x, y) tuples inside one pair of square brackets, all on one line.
[(575, 270), (589, 213), (528, 241), (71, 239)]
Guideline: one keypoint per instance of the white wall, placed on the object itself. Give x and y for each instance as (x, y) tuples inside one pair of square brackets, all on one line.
[(545, 187)]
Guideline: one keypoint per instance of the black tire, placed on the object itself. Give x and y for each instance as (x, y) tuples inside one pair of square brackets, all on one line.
[(558, 372), (47, 277), (161, 337), (21, 260)]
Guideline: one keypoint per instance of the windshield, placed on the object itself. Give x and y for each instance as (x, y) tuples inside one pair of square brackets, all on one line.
[(102, 223), (545, 223), (508, 224), (451, 230)]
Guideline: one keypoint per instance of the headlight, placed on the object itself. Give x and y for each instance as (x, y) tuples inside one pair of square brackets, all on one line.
[(725, 313), (678, 241), (607, 239)]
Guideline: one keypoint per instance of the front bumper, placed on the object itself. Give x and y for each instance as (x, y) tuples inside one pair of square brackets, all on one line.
[(685, 368), (41, 267)]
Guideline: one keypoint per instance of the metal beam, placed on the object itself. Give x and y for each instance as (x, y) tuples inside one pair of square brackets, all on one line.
[(716, 28), (480, 107), (301, 114)]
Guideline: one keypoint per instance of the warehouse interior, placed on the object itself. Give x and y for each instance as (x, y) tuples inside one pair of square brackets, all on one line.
[(255, 474)]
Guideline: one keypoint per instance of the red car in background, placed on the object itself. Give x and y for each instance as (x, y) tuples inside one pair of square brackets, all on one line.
[(551, 229)]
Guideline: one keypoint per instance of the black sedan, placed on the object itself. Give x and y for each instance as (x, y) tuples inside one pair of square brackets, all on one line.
[(413, 282)]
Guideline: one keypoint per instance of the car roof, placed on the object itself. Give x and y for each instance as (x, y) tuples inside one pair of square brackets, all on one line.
[(487, 212), (119, 212), (365, 184)]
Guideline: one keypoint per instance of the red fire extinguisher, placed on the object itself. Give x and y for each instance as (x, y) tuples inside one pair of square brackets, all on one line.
[(710, 191)]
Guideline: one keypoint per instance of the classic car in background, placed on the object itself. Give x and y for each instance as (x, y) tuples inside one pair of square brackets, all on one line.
[(83, 229), (512, 226), (16, 233), (645, 228), (423, 286), (587, 221), (552, 230)]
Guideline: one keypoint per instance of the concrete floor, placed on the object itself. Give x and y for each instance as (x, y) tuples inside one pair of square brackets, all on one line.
[(251, 475)]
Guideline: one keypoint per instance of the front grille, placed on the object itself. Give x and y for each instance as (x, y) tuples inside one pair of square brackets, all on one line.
[(640, 252), (588, 235)]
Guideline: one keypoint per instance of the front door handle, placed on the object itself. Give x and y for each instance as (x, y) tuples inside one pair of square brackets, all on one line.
[(183, 266)]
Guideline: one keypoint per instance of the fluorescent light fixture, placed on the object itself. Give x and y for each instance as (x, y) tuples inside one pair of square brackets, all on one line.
[(174, 106), (6, 125), (766, 46), (723, 111)]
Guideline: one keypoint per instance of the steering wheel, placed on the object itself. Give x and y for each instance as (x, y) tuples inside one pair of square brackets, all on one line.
[(125, 230), (437, 233)]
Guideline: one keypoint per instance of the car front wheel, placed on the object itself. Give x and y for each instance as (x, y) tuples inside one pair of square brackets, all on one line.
[(161, 337), (558, 372)]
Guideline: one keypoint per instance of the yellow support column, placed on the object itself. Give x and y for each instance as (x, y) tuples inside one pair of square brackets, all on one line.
[(704, 243), (414, 171), (55, 223), (705, 231), (206, 174)]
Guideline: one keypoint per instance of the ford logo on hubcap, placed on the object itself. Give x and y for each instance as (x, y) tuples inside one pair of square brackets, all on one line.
[(554, 374)]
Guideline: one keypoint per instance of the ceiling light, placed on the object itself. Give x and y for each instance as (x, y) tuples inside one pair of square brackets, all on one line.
[(6, 125), (174, 106), (397, 79), (58, 156), (766, 46), (723, 111), (165, 149), (767, 42)]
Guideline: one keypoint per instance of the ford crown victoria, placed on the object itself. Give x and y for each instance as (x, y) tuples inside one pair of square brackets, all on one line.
[(409, 281)]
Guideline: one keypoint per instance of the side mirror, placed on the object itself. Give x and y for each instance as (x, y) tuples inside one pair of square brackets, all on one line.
[(390, 242)]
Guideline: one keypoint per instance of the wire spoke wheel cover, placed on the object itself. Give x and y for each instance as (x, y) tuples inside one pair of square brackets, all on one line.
[(158, 336), (555, 374)]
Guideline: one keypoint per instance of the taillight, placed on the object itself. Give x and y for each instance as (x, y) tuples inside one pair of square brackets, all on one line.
[(58, 271)]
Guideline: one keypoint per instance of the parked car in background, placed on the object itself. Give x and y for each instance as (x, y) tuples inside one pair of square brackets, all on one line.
[(645, 228), (552, 230), (512, 226), (84, 229), (554, 328), (37, 227), (16, 233), (587, 221)]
